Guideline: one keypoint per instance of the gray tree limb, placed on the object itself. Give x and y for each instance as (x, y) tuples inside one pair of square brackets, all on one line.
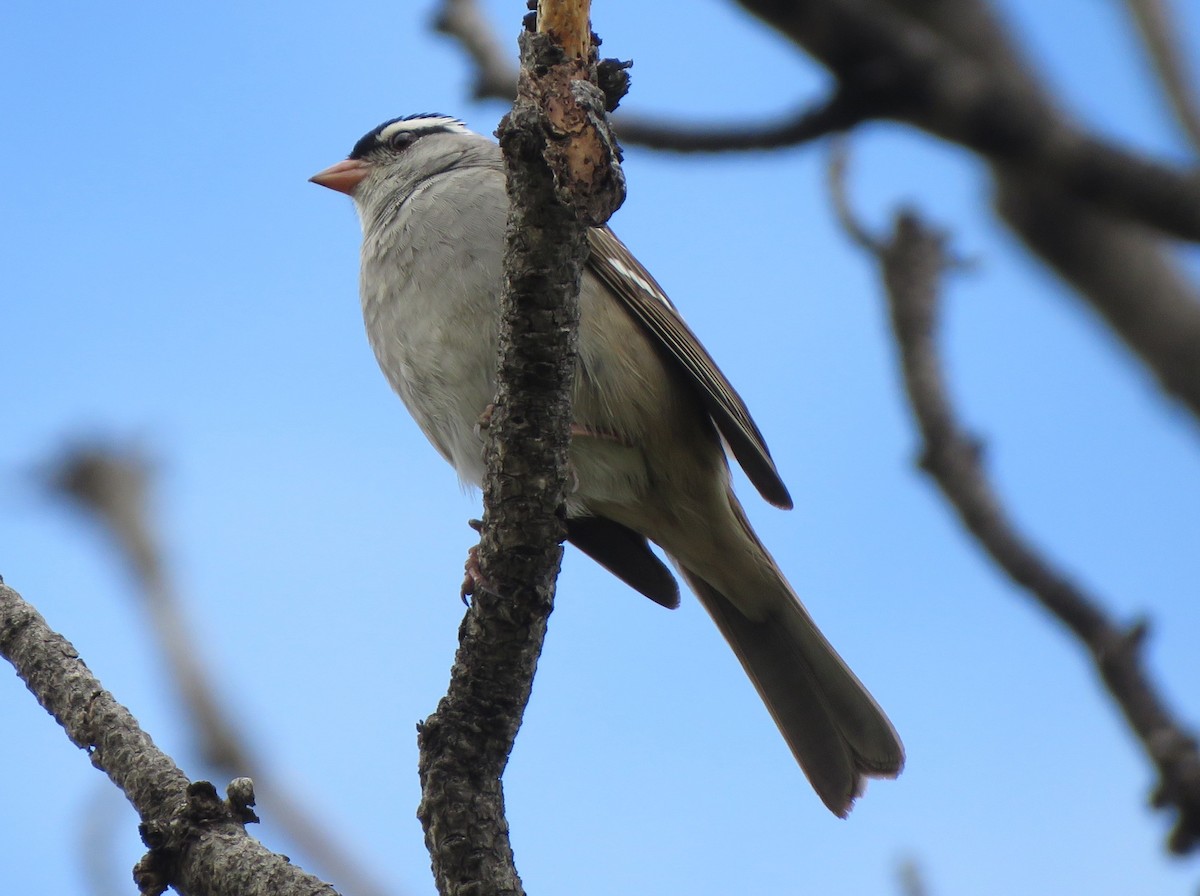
[(198, 842)]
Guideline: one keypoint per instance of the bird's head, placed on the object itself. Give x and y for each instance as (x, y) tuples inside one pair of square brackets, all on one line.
[(397, 155)]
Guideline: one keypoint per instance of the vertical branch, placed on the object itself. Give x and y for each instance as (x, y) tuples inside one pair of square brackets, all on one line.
[(567, 24), (562, 178)]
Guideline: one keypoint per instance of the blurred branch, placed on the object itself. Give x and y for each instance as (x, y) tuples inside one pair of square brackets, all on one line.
[(1158, 31), (113, 486), (496, 78), (495, 68), (99, 824), (840, 113), (1123, 270), (912, 881), (464, 745), (198, 843), (912, 261), (949, 67), (902, 66)]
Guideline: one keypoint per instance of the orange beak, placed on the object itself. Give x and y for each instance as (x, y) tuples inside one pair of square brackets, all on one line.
[(343, 177)]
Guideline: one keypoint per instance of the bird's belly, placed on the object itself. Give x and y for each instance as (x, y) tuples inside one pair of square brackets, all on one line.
[(441, 368), (441, 361)]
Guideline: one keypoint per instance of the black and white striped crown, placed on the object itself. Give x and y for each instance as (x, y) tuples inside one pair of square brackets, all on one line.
[(411, 126)]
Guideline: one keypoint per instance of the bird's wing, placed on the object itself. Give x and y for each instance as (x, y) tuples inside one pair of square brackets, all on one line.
[(649, 305), (627, 555)]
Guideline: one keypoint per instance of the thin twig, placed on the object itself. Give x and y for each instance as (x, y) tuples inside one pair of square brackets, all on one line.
[(198, 842), (495, 68), (901, 68), (833, 116), (912, 881), (912, 262), (1160, 35), (839, 162), (114, 486), (99, 825)]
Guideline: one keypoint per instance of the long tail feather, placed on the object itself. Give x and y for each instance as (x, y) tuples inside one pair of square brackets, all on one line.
[(836, 731)]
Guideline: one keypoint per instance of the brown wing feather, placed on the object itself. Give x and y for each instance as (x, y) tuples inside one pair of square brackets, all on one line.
[(649, 305)]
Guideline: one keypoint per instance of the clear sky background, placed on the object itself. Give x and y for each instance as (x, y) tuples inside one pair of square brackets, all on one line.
[(170, 278)]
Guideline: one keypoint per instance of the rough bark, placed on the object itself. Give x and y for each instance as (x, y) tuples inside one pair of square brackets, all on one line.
[(562, 177), (198, 843)]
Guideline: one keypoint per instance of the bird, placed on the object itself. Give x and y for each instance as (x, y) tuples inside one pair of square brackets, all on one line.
[(652, 416)]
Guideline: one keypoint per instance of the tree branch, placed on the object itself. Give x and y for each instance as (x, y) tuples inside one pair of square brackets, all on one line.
[(113, 486), (1123, 270), (901, 68), (198, 843), (562, 177), (912, 262), (950, 68), (465, 22), (1158, 31), (496, 78), (839, 113)]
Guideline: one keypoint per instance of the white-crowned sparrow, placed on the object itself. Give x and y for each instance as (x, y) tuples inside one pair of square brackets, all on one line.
[(650, 408)]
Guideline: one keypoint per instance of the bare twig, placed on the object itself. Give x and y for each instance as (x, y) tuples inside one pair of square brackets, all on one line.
[(901, 68), (834, 116), (1159, 34), (495, 69), (839, 162), (1125, 271), (950, 68), (198, 843), (912, 262), (114, 485), (99, 826), (556, 189), (912, 881)]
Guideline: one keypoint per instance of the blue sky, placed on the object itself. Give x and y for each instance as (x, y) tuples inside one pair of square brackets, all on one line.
[(171, 279)]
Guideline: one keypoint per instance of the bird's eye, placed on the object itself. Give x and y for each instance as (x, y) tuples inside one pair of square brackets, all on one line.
[(401, 139)]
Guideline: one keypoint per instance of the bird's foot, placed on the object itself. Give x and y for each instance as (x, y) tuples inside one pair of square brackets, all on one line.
[(473, 578), (606, 435), (485, 419)]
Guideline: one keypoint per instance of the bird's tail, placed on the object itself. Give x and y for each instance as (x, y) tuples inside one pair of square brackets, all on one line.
[(835, 729)]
